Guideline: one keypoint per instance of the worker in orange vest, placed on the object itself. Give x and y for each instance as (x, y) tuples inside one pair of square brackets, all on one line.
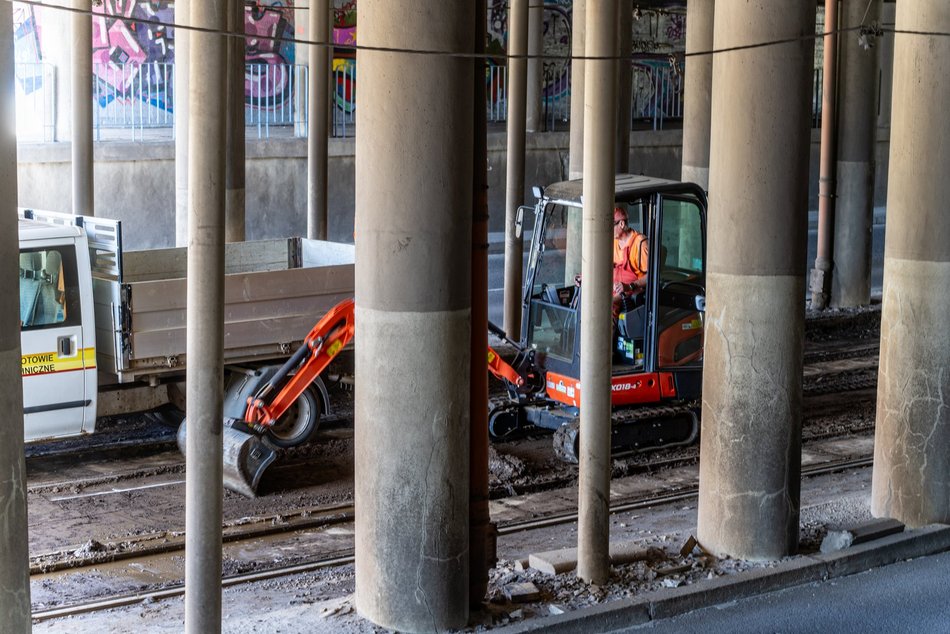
[(631, 258)]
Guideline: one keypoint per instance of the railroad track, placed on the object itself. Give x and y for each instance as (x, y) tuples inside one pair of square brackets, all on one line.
[(346, 558)]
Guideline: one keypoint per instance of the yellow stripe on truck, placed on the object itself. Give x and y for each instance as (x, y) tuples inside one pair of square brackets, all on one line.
[(51, 363)]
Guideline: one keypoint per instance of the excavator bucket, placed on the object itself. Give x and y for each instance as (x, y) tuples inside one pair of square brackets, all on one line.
[(246, 456)]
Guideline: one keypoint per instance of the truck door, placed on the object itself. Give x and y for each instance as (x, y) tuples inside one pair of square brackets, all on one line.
[(55, 361)]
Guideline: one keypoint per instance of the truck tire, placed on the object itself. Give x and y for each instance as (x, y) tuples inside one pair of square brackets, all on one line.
[(299, 423)]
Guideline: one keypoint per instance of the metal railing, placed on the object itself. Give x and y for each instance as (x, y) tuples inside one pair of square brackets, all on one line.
[(136, 101), (35, 101)]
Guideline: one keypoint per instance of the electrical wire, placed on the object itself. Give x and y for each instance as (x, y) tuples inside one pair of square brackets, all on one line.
[(464, 55)]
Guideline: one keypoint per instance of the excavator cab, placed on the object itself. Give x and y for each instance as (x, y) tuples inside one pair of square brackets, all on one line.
[(658, 333)]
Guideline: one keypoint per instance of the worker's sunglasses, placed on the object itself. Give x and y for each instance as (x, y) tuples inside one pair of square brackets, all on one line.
[(617, 222)]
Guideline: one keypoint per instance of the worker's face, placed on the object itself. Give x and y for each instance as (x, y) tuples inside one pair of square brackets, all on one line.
[(619, 226)]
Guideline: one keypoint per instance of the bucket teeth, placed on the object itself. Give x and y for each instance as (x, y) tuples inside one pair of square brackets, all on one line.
[(245, 457)]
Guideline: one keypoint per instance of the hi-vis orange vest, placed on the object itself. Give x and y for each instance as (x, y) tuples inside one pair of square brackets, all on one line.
[(630, 261)]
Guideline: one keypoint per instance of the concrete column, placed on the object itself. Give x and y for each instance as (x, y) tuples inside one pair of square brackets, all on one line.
[(911, 480), (182, 55), (534, 115), (857, 127), (14, 555), (885, 48), (698, 88), (572, 257), (235, 195), (514, 181), (578, 43), (758, 184), (205, 341), (820, 280), (624, 83), (482, 533), (83, 188), (600, 95), (318, 119), (413, 314)]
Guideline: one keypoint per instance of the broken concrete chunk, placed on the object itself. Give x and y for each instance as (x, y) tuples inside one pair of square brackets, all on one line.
[(522, 592), (840, 539), (555, 609), (521, 565), (554, 562)]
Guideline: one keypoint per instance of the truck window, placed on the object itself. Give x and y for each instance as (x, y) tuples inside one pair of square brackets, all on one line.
[(49, 288)]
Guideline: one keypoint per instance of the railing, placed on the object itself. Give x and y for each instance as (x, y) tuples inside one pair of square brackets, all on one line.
[(35, 101), (137, 101)]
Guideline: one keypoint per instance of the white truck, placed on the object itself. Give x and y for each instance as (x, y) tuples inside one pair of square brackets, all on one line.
[(103, 329)]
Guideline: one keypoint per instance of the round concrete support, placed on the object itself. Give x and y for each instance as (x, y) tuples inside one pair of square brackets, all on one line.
[(413, 315), (857, 126), (593, 510), (318, 120), (698, 93), (180, 105), (83, 186), (751, 420), (572, 257), (534, 96), (578, 42), (911, 480), (624, 84), (514, 182), (205, 338), (235, 195), (14, 556)]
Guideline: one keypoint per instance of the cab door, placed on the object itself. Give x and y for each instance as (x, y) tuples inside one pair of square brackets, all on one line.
[(679, 277), (55, 360)]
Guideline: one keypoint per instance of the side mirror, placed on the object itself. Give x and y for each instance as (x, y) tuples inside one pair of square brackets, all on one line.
[(519, 221), (701, 303)]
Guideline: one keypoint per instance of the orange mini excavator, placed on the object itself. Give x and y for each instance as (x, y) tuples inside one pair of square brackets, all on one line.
[(278, 406), (657, 359)]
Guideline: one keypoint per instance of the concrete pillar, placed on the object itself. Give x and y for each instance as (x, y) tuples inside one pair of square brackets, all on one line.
[(758, 184), (318, 119), (911, 480), (205, 340), (83, 188), (600, 94), (182, 55), (534, 114), (413, 314), (14, 555), (624, 83), (482, 533), (235, 195), (857, 128), (578, 42), (698, 93), (514, 181), (820, 279), (885, 48), (572, 256)]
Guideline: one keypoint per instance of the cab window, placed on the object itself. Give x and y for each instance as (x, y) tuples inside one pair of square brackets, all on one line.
[(49, 289)]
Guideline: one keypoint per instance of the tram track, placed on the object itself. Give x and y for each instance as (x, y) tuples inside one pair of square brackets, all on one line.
[(344, 513)]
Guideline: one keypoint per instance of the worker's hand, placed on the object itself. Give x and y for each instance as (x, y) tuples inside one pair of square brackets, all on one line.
[(577, 280), (618, 288)]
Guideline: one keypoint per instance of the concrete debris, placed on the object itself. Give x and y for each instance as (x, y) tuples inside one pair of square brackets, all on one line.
[(673, 570), (521, 565), (555, 609), (340, 607), (554, 562), (522, 592), (837, 540), (91, 547)]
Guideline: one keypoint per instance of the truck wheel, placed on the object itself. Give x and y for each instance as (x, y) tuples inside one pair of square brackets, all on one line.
[(299, 423)]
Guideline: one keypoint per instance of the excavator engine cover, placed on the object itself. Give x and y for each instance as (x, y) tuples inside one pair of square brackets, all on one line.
[(246, 456)]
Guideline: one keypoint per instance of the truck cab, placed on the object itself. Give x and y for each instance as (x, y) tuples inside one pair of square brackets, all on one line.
[(57, 330)]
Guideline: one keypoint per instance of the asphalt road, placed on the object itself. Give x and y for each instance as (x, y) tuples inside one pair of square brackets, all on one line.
[(496, 271), (910, 596)]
